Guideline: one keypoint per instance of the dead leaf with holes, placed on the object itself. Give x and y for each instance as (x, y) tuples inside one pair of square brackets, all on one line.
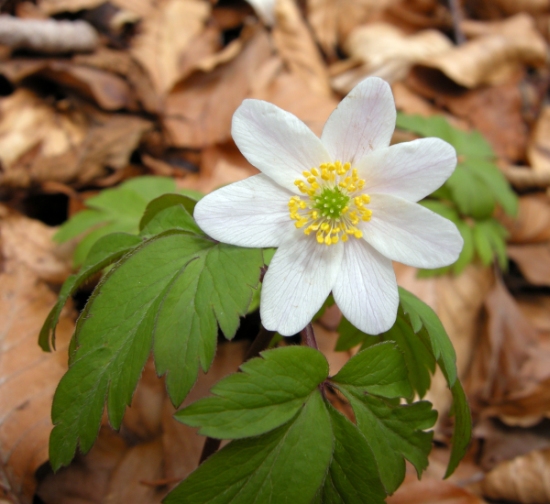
[(28, 376)]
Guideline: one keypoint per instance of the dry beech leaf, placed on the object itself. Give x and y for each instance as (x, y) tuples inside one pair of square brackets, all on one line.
[(50, 7), (40, 143), (28, 376), (533, 261), (165, 36), (538, 151), (199, 109), (493, 58), (432, 491), (385, 51), (525, 479), (297, 48), (502, 350), (458, 302), (333, 20), (142, 8), (532, 224), (515, 6)]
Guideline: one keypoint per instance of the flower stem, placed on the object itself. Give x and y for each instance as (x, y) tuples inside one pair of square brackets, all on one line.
[(261, 342), (308, 336)]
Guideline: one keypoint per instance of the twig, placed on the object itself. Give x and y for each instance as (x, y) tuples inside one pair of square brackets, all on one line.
[(47, 35), (456, 13)]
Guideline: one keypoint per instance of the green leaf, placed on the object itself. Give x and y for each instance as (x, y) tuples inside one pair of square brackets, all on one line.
[(175, 211), (349, 335), (287, 464), (496, 184), (269, 392), (353, 476), (395, 433), (106, 251), (471, 196), (462, 433), (185, 285), (216, 286), (482, 243), (113, 210), (467, 253), (379, 369), (439, 342)]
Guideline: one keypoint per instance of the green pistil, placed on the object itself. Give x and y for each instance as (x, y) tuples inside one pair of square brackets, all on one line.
[(331, 202)]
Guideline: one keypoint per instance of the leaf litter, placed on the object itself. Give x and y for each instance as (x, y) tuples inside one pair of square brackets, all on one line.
[(156, 97)]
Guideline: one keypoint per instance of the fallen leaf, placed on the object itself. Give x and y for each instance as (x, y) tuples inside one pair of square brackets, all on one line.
[(432, 491), (501, 350), (297, 49), (532, 224), (28, 376), (533, 261), (50, 7), (524, 479), (493, 58), (165, 36), (538, 151), (199, 109)]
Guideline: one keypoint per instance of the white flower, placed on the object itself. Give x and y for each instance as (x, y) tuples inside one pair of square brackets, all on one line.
[(339, 208)]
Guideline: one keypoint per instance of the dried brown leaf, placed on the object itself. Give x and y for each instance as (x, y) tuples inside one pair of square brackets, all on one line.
[(388, 52), (493, 58), (432, 491), (165, 36), (296, 47), (50, 7), (525, 479), (28, 376), (532, 224), (199, 109), (538, 151), (502, 350), (533, 261)]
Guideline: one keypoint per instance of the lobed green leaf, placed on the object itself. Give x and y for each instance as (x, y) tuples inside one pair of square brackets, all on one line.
[(269, 392)]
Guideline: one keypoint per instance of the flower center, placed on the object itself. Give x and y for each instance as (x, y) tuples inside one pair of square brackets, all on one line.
[(332, 203)]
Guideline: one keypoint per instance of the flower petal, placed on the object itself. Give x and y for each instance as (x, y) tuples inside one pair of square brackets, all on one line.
[(249, 213), (363, 121), (297, 282), (366, 288), (410, 170), (411, 234), (276, 142)]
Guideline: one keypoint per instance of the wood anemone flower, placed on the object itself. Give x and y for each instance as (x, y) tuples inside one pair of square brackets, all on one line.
[(339, 209)]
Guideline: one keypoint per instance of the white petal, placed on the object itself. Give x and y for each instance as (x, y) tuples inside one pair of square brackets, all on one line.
[(366, 288), (249, 213), (276, 142), (298, 280), (363, 121), (410, 170), (265, 10), (411, 234)]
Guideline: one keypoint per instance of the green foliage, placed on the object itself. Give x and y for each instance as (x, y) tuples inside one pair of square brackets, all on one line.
[(266, 394), (421, 337), (111, 211), (287, 409), (169, 293), (470, 195)]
